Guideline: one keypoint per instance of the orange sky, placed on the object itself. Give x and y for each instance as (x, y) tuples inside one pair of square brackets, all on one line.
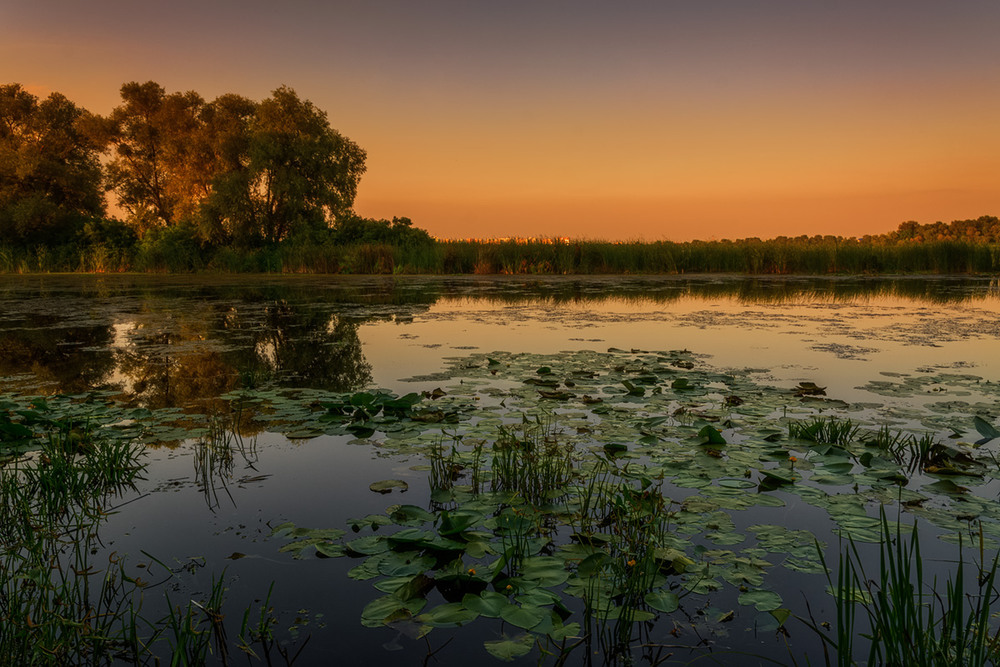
[(643, 120)]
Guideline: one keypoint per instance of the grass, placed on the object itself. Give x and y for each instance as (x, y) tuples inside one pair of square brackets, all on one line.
[(910, 621), (174, 252), (56, 603), (824, 431), (63, 603)]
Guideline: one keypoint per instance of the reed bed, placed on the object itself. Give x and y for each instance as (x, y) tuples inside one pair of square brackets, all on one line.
[(782, 256)]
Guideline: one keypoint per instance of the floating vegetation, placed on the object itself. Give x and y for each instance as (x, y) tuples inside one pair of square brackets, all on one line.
[(644, 507), (593, 520)]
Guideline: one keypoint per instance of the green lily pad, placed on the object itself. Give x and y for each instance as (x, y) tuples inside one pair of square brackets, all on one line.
[(761, 600), (664, 601), (387, 485), (508, 649)]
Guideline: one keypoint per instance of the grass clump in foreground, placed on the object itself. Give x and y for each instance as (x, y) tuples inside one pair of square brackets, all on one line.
[(58, 603), (910, 622)]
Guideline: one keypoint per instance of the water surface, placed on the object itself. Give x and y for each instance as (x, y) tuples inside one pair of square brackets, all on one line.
[(184, 341)]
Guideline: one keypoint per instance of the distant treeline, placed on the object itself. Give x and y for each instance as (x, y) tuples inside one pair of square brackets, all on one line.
[(238, 185)]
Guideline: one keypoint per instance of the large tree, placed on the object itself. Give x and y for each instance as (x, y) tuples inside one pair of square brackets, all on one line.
[(155, 170), (50, 174), (242, 171), (290, 172)]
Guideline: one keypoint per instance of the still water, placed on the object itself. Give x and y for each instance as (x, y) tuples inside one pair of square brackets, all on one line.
[(183, 342)]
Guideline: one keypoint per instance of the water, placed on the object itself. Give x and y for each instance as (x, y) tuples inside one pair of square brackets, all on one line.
[(183, 341)]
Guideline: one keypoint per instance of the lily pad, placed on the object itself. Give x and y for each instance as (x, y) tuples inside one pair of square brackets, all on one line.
[(387, 485)]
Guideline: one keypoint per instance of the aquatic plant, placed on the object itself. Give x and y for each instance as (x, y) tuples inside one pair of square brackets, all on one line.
[(551, 502), (910, 621), (824, 430)]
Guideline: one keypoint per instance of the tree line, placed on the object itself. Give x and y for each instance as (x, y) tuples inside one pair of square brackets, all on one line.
[(227, 172), (234, 184)]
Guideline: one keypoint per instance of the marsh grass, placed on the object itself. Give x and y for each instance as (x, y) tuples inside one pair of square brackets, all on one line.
[(910, 620), (825, 431), (63, 603), (907, 449), (56, 603), (215, 455), (531, 462), (180, 249)]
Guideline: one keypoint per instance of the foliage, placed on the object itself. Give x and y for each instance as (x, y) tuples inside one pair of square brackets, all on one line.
[(49, 170), (269, 186), (288, 172)]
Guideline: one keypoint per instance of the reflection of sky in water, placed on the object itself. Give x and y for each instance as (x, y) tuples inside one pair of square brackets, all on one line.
[(184, 338), (835, 344)]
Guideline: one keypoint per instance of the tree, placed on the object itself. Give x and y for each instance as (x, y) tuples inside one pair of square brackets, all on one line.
[(156, 170), (223, 145), (291, 172), (49, 170)]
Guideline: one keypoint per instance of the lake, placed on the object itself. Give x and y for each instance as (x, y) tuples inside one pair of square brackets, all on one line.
[(680, 389)]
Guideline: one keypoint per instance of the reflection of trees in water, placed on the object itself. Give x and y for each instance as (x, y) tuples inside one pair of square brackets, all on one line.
[(162, 372), (61, 359), (177, 358), (183, 339), (291, 345)]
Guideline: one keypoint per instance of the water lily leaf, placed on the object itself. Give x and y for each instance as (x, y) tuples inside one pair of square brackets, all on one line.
[(664, 601), (709, 435), (556, 395), (761, 600), (523, 617), (736, 483), (410, 536), (387, 485), (407, 563), (487, 603), (367, 546), (414, 587), (778, 476), (329, 550), (546, 570), (946, 486), (559, 632), (428, 416), (385, 609), (672, 560), (372, 521), (455, 522), (986, 429), (633, 390), (592, 564), (411, 515), (781, 615), (508, 649), (357, 430), (448, 615)]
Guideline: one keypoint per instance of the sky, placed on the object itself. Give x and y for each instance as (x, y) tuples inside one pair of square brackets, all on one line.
[(604, 120)]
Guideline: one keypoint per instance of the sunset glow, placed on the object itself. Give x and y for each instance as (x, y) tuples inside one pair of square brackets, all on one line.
[(635, 121)]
